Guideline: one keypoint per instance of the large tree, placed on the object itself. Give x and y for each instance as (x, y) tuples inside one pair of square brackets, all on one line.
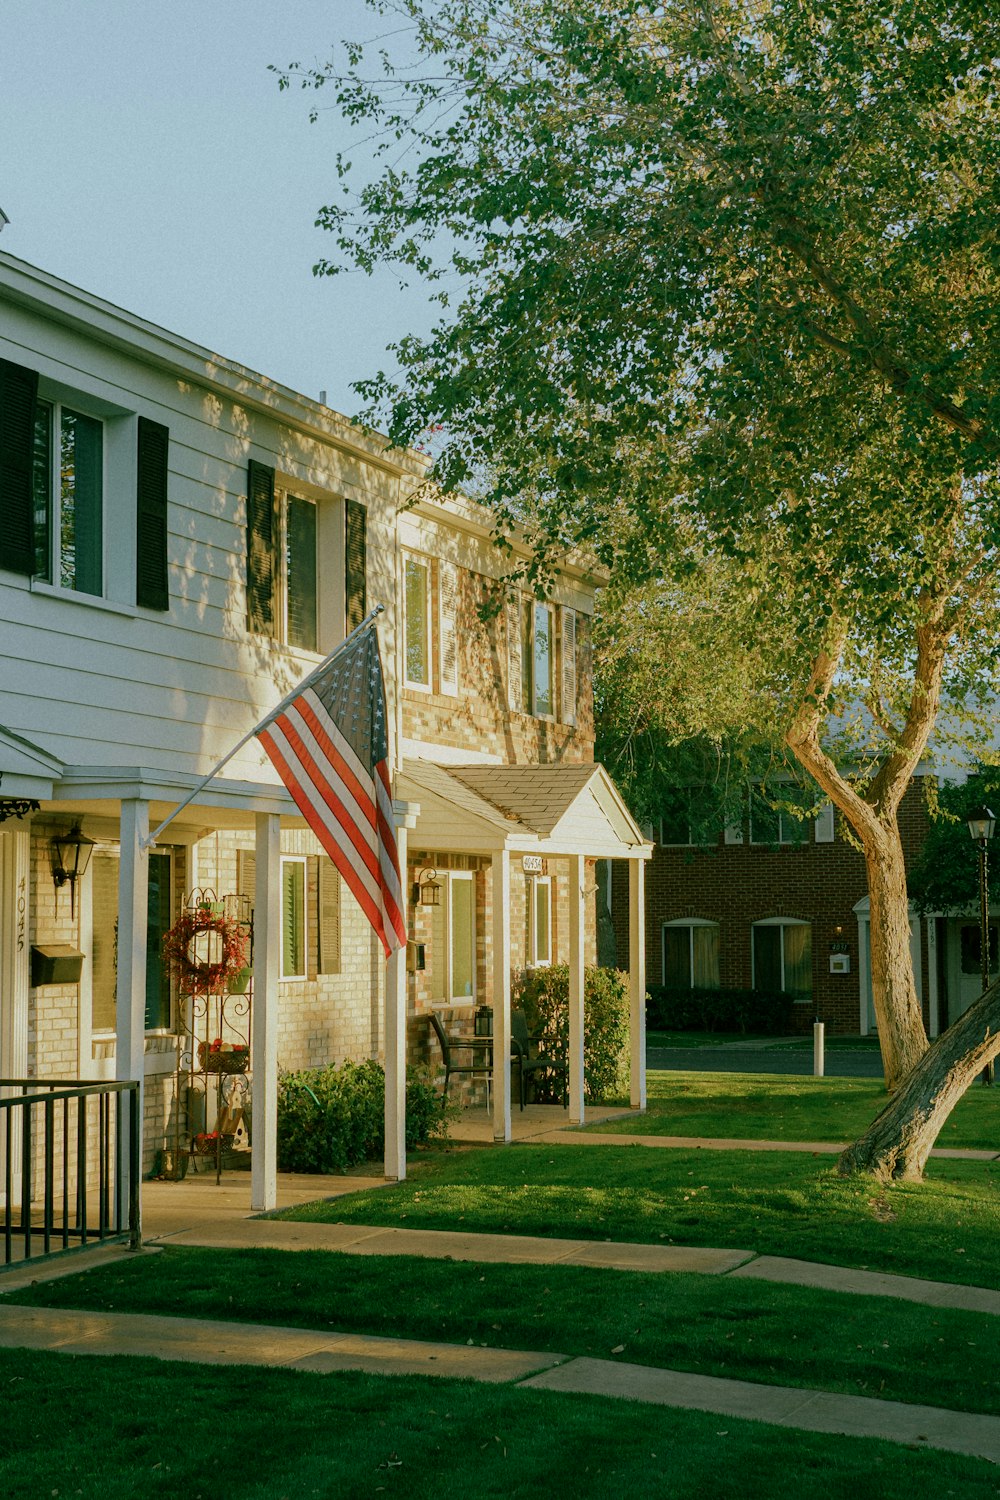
[(719, 292)]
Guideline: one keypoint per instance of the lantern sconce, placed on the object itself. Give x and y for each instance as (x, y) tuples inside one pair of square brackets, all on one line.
[(427, 889), (70, 854)]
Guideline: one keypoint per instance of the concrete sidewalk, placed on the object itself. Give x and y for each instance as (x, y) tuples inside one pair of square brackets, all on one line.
[(220, 1343)]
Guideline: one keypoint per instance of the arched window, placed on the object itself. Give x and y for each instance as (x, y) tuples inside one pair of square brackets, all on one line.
[(691, 954)]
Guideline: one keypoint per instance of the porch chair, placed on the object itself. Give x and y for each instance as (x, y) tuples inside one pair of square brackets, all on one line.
[(521, 1043), (483, 1045)]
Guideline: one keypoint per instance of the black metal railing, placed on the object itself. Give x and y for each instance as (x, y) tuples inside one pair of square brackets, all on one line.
[(69, 1166)]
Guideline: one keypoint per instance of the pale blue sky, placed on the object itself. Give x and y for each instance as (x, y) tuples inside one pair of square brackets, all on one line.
[(149, 157)]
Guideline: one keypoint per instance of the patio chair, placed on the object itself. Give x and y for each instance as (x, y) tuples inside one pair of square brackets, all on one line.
[(481, 1066), (521, 1043)]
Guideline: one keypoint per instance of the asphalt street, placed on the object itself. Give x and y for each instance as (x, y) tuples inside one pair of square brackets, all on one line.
[(741, 1057)]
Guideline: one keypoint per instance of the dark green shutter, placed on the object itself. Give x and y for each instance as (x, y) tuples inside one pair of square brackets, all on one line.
[(18, 400), (261, 547), (328, 902), (355, 551), (151, 590)]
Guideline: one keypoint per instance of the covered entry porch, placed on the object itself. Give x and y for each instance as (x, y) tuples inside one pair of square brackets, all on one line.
[(515, 827)]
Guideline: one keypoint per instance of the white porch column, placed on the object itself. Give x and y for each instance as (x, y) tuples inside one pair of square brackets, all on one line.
[(576, 977), (14, 884), (264, 1055), (501, 995), (394, 1165), (130, 995), (637, 982)]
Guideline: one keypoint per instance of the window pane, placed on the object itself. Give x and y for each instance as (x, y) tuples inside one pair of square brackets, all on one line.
[(438, 957), (293, 911), (41, 459), (463, 954), (543, 659), (765, 823), (158, 909), (798, 960), (80, 533), (527, 657), (677, 956), (543, 924), (300, 574), (675, 822), (971, 948), (767, 958), (418, 655), (705, 947)]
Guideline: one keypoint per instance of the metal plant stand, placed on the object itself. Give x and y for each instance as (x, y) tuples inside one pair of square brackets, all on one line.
[(213, 1059)]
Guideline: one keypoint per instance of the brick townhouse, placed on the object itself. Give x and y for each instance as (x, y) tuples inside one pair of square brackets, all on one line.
[(780, 904)]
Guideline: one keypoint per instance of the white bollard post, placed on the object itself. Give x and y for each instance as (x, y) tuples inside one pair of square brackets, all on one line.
[(818, 1030)]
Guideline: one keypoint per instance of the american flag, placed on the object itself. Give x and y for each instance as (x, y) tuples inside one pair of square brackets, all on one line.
[(330, 747)]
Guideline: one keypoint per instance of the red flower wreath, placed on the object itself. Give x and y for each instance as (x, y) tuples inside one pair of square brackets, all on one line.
[(194, 976)]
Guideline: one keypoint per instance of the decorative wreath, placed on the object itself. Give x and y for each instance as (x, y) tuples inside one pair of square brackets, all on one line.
[(203, 966)]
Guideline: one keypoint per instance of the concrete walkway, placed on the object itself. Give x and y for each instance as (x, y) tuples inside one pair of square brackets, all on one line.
[(220, 1343), (199, 1212)]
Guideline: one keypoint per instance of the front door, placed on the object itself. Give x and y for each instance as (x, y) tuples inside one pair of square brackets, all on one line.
[(965, 984)]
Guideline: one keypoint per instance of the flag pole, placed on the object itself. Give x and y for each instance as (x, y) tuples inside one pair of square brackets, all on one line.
[(369, 620)]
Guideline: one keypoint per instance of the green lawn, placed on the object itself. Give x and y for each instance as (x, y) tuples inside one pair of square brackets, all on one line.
[(112, 1429), (778, 1107), (746, 1330), (773, 1202)]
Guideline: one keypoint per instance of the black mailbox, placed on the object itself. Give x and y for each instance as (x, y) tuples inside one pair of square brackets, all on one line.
[(55, 963)]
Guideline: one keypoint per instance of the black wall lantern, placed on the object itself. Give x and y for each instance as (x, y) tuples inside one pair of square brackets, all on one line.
[(427, 889), (70, 854)]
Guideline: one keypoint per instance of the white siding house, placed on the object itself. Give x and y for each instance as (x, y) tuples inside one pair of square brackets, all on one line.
[(181, 542)]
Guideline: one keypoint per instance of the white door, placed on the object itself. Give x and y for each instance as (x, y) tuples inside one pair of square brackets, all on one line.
[(965, 982)]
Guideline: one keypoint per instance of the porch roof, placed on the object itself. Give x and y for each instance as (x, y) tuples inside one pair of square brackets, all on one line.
[(550, 809)]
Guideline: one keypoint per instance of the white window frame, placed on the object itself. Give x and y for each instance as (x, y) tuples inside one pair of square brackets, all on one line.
[(781, 922), (89, 1033), (419, 560), (690, 923), (285, 861), (447, 996), (526, 642), (282, 591), (535, 884)]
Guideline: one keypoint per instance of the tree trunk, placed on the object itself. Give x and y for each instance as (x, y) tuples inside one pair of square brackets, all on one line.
[(894, 995), (896, 1145)]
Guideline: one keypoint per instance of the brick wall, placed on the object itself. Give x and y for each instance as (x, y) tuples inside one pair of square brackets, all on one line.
[(479, 719), (736, 885)]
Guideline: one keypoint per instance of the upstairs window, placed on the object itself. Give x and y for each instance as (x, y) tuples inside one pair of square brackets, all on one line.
[(59, 496), (68, 485), (299, 578), (286, 533), (417, 607), (537, 659)]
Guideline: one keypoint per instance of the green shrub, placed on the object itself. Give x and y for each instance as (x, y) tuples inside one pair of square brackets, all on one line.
[(333, 1118), (670, 1008), (543, 995)]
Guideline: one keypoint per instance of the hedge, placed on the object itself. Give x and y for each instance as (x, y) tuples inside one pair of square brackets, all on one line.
[(333, 1118), (670, 1008), (543, 995)]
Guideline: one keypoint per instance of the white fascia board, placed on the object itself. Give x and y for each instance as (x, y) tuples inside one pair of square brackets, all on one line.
[(563, 848), (58, 301), (126, 783)]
